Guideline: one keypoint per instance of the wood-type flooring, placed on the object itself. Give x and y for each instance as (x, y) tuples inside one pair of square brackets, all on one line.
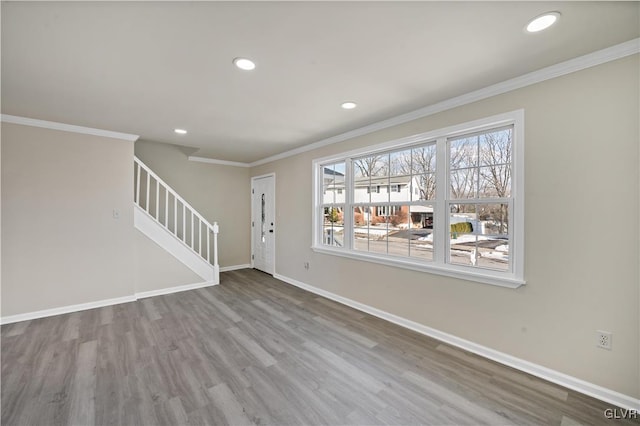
[(255, 350)]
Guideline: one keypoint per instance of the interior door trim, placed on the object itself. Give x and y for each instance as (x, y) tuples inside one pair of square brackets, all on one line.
[(253, 179)]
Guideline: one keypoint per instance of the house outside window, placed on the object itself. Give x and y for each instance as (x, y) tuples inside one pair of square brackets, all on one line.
[(387, 211), (453, 203)]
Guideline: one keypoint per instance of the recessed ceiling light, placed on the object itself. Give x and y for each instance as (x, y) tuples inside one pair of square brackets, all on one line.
[(244, 64), (349, 105), (542, 22), (180, 131)]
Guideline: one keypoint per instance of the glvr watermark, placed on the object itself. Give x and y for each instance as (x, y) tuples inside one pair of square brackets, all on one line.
[(621, 414)]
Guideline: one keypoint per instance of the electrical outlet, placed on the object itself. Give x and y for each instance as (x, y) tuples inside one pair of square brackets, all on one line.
[(306, 265), (604, 339)]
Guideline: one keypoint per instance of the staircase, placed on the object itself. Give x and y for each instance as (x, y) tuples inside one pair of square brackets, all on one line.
[(167, 219)]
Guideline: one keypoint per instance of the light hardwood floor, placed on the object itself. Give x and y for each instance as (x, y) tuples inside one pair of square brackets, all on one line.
[(254, 350)]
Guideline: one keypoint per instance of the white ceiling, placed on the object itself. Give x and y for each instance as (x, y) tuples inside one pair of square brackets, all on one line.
[(146, 68)]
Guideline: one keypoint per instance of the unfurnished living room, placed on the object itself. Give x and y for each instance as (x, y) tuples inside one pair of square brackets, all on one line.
[(320, 213)]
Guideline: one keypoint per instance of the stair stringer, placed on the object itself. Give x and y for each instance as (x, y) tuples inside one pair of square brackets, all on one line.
[(173, 245)]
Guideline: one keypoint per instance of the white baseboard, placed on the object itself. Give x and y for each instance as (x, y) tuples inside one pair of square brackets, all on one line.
[(65, 309), (101, 303), (578, 385), (234, 267), (169, 290)]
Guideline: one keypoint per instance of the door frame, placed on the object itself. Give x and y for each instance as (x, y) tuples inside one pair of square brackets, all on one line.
[(275, 226)]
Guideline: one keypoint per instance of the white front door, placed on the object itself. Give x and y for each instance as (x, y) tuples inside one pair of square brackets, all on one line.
[(263, 218)]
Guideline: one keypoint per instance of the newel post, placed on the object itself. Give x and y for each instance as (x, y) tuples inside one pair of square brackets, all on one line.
[(216, 266)]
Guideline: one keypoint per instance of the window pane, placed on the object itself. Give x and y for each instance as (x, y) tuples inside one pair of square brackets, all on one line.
[(463, 253), (328, 177), (379, 171), (495, 181), (463, 224), (340, 169), (371, 179), (374, 165), (339, 181), (421, 232), (496, 258), (421, 244), (463, 213), (494, 219), (378, 229), (495, 147), (361, 190), (421, 216), (382, 229), (400, 163), (327, 196), (463, 153), (379, 189), (423, 160), (332, 183), (464, 183), (333, 226), (399, 229), (479, 235), (424, 187), (361, 218), (400, 188), (493, 244)]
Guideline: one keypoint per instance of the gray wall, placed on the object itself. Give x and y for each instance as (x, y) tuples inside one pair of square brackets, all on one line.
[(582, 233), (156, 269), (219, 193), (61, 244)]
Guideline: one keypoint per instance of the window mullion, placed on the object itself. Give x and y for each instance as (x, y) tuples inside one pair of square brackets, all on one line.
[(348, 204), (441, 243), (512, 244), (318, 207)]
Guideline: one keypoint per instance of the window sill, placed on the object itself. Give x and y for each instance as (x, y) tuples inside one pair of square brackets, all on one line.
[(482, 276)]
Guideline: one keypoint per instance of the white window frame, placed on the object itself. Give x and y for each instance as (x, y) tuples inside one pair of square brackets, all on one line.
[(512, 278)]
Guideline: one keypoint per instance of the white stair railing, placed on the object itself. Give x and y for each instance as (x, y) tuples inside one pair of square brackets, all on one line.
[(177, 216)]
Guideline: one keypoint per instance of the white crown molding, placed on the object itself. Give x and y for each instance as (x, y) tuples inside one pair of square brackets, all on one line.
[(578, 385), (221, 162), (599, 57), (25, 121)]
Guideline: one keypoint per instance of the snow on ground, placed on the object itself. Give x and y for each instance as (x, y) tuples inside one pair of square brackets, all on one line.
[(501, 252), (425, 246), (372, 231), (496, 255), (468, 238)]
